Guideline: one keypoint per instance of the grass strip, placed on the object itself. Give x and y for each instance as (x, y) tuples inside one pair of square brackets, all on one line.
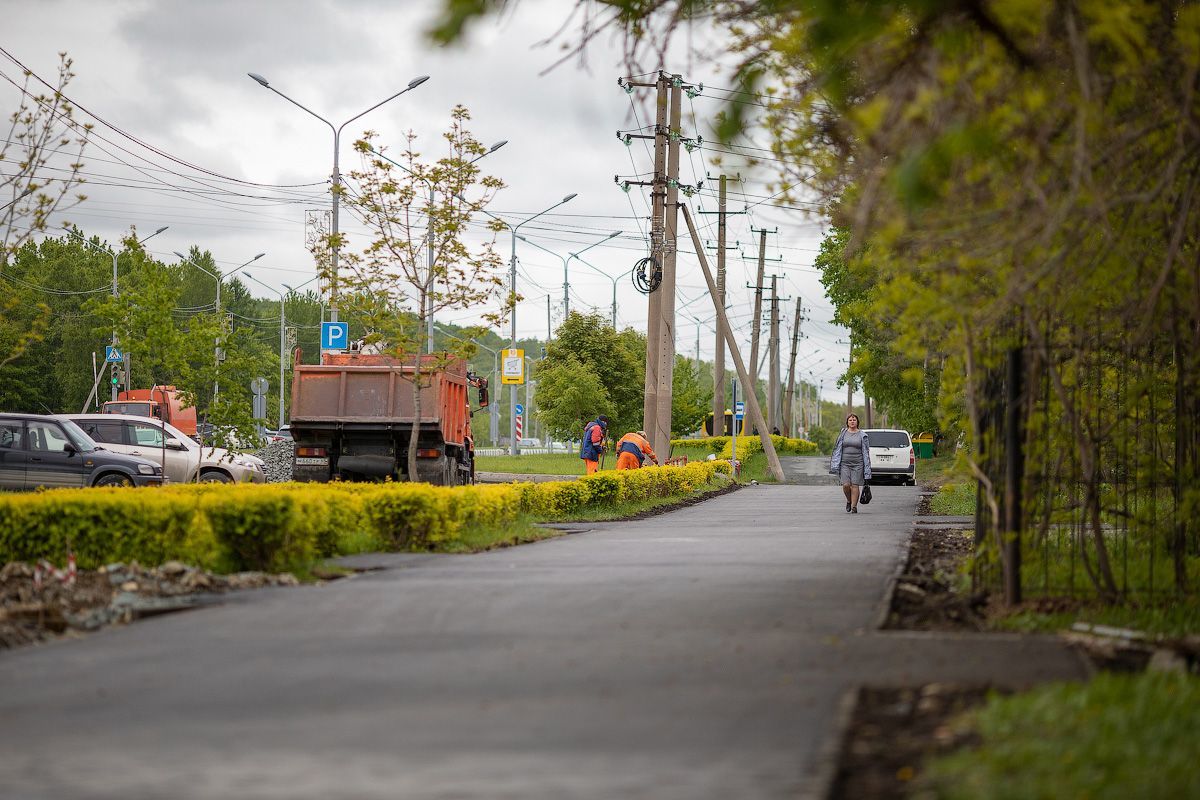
[(1115, 737)]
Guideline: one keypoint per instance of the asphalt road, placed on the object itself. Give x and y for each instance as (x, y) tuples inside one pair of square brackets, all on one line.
[(703, 653)]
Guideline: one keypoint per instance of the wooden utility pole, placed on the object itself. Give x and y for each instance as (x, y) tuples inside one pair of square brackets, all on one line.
[(790, 417), (658, 194), (756, 415), (718, 428), (660, 433)]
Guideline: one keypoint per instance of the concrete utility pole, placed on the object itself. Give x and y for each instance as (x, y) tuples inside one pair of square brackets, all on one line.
[(790, 421), (658, 195), (756, 319), (666, 332), (756, 416), (718, 428), (773, 406)]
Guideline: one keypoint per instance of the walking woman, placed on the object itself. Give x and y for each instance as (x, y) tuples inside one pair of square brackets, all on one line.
[(851, 462)]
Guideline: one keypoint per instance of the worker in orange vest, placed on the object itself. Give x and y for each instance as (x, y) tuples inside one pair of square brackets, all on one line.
[(632, 449), (591, 446)]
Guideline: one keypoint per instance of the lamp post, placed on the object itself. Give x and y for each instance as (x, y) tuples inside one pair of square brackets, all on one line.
[(594, 268), (282, 339), (429, 235), (566, 261), (336, 186), (113, 253), (217, 343)]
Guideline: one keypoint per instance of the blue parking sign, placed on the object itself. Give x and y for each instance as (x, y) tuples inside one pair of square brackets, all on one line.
[(335, 335)]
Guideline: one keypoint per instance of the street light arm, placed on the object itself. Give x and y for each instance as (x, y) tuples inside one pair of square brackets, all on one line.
[(544, 249), (564, 201), (414, 83), (261, 81)]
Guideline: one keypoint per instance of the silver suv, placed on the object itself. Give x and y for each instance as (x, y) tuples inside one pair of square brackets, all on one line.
[(182, 459)]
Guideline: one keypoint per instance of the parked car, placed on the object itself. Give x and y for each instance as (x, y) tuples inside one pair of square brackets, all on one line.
[(892, 456), (43, 451), (530, 443), (183, 460)]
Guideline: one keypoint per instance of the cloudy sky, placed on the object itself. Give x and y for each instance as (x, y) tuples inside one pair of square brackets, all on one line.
[(172, 75)]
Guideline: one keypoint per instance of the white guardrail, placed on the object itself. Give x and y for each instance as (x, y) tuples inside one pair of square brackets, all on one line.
[(524, 451)]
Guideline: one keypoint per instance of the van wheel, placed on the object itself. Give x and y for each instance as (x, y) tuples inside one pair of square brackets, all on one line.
[(113, 479), (215, 477)]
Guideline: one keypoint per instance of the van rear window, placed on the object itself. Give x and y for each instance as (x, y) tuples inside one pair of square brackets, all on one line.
[(888, 439)]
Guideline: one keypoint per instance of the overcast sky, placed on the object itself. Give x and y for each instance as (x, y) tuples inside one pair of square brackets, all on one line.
[(172, 74)]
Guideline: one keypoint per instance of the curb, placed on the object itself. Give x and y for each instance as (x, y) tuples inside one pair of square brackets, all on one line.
[(829, 756)]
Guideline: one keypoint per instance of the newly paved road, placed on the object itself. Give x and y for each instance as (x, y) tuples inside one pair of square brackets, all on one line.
[(700, 654)]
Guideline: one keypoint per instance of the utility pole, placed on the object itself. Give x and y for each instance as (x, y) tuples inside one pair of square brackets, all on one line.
[(756, 319), (719, 359), (752, 405), (666, 335), (773, 347), (658, 196), (790, 422)]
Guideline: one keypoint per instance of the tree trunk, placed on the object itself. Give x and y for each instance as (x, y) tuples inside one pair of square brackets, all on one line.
[(414, 439)]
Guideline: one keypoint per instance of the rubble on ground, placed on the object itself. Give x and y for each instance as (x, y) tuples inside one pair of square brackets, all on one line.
[(35, 607), (277, 458)]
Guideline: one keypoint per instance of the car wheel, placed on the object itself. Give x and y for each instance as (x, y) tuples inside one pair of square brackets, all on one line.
[(113, 479), (215, 477)]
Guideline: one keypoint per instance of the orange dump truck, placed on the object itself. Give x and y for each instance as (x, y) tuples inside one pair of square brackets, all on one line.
[(161, 402), (352, 419)]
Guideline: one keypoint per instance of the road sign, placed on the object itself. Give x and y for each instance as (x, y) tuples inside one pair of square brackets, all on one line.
[(259, 386), (519, 428), (520, 410), (513, 367), (112, 355), (335, 335), (739, 410)]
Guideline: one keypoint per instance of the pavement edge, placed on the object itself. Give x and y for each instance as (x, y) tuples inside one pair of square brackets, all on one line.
[(829, 756)]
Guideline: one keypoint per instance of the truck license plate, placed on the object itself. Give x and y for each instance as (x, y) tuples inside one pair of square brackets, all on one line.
[(312, 462)]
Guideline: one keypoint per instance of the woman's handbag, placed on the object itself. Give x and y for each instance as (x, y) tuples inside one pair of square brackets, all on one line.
[(865, 497)]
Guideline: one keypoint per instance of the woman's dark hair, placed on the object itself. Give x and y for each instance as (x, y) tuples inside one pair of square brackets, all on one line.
[(848, 416)]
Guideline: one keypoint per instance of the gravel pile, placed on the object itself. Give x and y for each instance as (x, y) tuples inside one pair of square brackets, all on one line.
[(117, 593), (278, 461)]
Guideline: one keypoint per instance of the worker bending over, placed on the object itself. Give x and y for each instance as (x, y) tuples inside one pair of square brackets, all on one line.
[(632, 449), (592, 445)]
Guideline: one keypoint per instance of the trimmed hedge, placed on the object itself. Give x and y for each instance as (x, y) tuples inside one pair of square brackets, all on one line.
[(748, 445), (231, 527)]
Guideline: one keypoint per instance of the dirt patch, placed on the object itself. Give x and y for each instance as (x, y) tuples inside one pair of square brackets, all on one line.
[(893, 732), (38, 604), (926, 596), (924, 508)]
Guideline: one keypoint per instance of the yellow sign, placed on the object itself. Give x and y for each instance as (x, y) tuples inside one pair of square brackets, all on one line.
[(512, 367)]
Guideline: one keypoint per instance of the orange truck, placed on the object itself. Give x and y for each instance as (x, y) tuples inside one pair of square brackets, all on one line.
[(161, 402), (352, 419)]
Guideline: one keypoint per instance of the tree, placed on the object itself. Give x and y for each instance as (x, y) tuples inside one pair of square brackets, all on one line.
[(691, 402), (418, 262), (41, 153), (617, 360), (569, 395)]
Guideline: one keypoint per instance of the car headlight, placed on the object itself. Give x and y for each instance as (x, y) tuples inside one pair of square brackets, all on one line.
[(146, 469)]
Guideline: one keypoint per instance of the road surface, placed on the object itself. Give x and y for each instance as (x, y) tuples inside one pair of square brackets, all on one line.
[(699, 654)]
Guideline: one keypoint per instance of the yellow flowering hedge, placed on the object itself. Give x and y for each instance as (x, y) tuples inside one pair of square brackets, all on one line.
[(229, 527), (747, 446)]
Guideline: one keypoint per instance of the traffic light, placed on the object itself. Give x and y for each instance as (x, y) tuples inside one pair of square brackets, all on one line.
[(117, 376)]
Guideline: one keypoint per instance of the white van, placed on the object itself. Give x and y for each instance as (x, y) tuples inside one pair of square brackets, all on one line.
[(892, 456)]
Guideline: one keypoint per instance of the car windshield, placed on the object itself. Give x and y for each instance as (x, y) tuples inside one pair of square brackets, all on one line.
[(888, 438), (77, 436)]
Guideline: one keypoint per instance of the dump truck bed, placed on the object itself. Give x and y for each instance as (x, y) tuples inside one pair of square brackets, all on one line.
[(352, 390)]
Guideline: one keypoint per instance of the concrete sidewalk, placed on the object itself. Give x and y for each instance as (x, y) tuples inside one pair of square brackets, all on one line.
[(703, 653)]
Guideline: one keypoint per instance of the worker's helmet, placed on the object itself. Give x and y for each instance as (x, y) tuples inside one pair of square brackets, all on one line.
[(603, 420)]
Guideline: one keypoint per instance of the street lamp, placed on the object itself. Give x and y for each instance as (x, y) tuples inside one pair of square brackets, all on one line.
[(293, 290), (512, 284), (336, 187), (614, 281), (282, 339), (566, 261), (429, 235), (219, 278), (113, 253)]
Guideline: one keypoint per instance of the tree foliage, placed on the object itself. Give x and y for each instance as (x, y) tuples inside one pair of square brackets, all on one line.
[(419, 260)]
